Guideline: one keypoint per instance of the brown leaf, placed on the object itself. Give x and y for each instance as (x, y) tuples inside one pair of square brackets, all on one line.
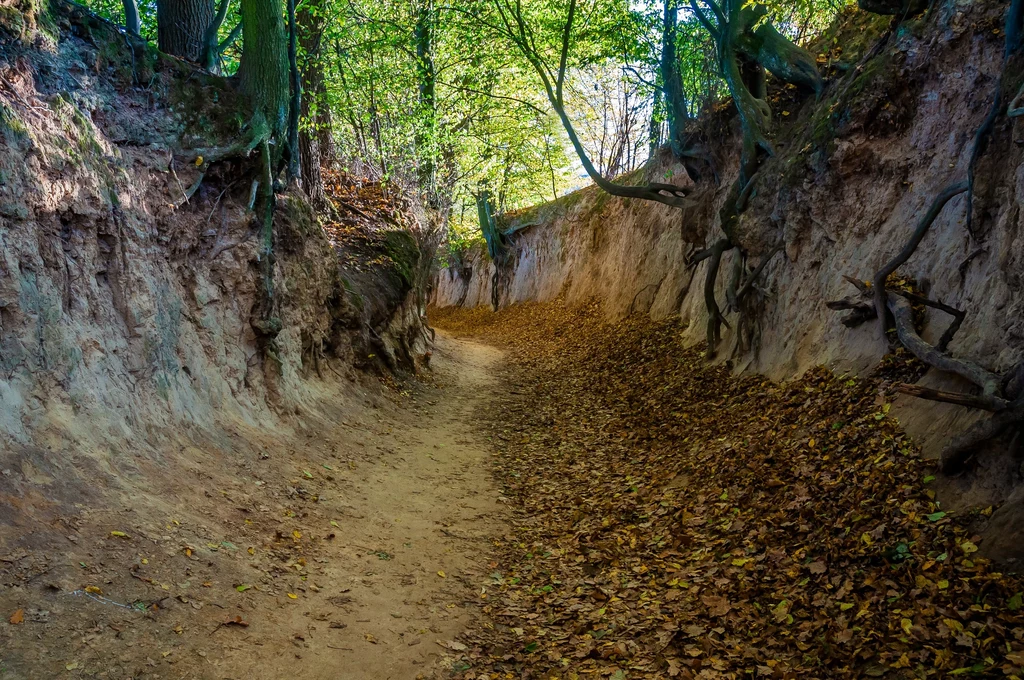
[(716, 604), (18, 617)]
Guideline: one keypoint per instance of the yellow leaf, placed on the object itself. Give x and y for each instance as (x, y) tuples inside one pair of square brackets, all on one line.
[(968, 547), (441, 574), (943, 584), (844, 606), (906, 625), (297, 534), (252, 551), (118, 534), (95, 590), (293, 596), (199, 161)]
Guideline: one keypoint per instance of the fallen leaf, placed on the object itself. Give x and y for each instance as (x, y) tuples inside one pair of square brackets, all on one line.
[(18, 617), (454, 646)]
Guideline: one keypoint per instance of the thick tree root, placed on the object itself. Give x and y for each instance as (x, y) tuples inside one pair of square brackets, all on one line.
[(1012, 43)]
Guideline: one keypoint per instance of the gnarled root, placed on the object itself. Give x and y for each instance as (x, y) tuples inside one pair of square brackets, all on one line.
[(715, 318), (989, 383), (1003, 395)]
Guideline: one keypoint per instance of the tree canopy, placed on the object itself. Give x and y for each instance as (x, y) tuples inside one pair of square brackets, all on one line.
[(451, 99)]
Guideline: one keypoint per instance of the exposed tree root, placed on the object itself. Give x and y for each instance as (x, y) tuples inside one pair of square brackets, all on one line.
[(923, 226), (748, 285), (958, 398), (732, 301), (962, 269), (1012, 43), (989, 383), (999, 394), (715, 318)]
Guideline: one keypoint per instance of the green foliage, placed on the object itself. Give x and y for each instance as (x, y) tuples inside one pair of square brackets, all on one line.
[(430, 98)]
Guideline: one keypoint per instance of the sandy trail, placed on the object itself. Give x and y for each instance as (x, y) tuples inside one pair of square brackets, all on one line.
[(397, 554)]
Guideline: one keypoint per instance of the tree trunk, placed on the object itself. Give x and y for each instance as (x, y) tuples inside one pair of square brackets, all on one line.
[(264, 69), (424, 35), (210, 54), (295, 103), (132, 23), (672, 82), (181, 26), (315, 111), (325, 130)]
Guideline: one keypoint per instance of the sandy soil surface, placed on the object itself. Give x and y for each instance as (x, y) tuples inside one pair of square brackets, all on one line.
[(353, 551)]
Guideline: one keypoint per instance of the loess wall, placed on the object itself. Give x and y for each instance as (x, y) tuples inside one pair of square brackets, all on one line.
[(131, 306)]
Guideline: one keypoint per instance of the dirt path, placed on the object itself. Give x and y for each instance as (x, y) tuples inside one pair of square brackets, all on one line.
[(414, 550), (373, 577)]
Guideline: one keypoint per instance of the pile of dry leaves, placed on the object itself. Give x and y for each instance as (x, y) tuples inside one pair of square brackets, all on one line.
[(362, 207), (672, 520)]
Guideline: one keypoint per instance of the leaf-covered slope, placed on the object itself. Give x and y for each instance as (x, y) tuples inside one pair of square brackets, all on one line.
[(672, 520)]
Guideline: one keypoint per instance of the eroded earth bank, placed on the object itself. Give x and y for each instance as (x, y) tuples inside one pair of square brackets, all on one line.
[(353, 545)]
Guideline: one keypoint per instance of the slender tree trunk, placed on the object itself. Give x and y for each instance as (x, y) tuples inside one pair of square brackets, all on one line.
[(325, 129), (315, 112), (654, 134), (132, 23), (295, 104), (181, 26), (424, 36)]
